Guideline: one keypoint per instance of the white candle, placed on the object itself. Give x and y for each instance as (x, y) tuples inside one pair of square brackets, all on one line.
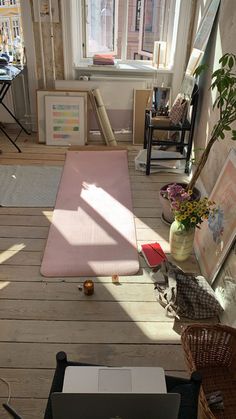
[(159, 54)]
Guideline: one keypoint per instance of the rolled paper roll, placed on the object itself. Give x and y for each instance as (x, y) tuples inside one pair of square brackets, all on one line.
[(108, 133), (103, 119)]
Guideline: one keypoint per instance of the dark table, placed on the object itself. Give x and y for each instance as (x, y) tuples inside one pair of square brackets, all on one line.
[(7, 76)]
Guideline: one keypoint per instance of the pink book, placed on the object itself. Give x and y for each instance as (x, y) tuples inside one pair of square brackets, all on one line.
[(153, 254)]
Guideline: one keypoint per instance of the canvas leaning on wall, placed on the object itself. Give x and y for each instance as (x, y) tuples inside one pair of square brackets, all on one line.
[(214, 240), (41, 114), (65, 120)]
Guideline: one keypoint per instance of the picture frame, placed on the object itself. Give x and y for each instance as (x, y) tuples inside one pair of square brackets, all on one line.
[(64, 120), (161, 97), (215, 237), (42, 93)]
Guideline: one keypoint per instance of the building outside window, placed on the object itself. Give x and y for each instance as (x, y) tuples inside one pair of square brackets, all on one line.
[(5, 26), (11, 35), (16, 27), (138, 13), (100, 26), (8, 2)]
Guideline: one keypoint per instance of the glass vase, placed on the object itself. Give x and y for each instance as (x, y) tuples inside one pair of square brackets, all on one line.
[(181, 241)]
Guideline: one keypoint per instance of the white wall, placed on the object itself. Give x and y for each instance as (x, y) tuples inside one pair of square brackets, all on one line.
[(221, 41), (117, 96)]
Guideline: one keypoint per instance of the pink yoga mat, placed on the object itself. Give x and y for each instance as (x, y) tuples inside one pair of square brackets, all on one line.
[(92, 231)]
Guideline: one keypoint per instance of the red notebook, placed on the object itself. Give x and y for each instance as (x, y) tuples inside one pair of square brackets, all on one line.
[(153, 254)]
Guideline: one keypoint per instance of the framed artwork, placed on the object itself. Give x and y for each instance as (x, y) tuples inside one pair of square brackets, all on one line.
[(206, 24), (41, 115), (161, 97), (215, 238), (199, 45), (64, 120)]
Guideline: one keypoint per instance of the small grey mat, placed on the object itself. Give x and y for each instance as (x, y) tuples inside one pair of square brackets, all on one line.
[(29, 186)]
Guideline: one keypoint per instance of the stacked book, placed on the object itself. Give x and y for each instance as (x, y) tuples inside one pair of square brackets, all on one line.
[(153, 254), (103, 59)]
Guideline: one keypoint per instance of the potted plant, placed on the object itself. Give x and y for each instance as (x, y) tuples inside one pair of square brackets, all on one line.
[(224, 81), (169, 193), (188, 214)]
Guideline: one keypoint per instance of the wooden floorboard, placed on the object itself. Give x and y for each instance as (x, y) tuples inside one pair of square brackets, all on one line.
[(120, 324)]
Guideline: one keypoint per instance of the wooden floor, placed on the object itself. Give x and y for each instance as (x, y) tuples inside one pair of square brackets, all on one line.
[(119, 325)]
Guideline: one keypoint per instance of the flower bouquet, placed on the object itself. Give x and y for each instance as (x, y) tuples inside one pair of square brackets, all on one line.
[(188, 214)]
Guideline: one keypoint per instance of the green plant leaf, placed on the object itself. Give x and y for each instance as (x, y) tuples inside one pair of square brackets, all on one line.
[(224, 60), (223, 82), (200, 69), (231, 62), (233, 134)]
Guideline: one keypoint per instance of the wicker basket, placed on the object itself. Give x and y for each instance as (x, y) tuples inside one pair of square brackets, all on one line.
[(211, 350)]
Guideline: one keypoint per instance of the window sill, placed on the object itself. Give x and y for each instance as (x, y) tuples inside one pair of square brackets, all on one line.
[(126, 68)]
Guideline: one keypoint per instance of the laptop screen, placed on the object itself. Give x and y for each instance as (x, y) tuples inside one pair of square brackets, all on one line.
[(115, 406)]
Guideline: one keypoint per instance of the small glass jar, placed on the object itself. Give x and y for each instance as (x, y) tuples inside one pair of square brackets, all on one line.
[(88, 286)]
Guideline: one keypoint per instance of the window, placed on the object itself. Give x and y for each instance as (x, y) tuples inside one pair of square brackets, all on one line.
[(11, 31), (100, 27), (128, 28), (158, 23), (16, 27), (5, 27), (138, 12), (7, 2)]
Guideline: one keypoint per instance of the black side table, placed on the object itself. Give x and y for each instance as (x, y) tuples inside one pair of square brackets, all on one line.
[(5, 81)]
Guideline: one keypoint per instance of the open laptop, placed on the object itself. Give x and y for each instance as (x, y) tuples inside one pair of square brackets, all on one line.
[(91, 379), (91, 392), (115, 406)]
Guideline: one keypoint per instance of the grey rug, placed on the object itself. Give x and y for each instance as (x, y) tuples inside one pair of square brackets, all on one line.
[(29, 186)]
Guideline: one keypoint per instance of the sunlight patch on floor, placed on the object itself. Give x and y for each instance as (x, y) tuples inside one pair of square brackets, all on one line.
[(5, 255), (4, 284)]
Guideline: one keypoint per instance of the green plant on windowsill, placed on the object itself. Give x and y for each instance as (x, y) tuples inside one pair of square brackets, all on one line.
[(224, 81)]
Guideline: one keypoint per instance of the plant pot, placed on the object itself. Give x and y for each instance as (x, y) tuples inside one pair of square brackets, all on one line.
[(181, 241), (167, 213)]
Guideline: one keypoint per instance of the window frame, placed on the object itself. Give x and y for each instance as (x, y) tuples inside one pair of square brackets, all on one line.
[(5, 24), (72, 47), (171, 33), (15, 27), (80, 59), (85, 29)]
